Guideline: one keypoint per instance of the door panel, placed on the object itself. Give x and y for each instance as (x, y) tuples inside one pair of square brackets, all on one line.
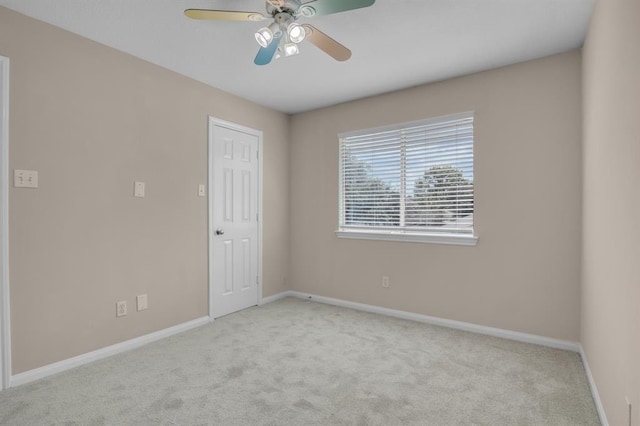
[(234, 220)]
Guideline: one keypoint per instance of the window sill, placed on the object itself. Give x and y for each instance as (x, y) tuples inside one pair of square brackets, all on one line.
[(451, 239)]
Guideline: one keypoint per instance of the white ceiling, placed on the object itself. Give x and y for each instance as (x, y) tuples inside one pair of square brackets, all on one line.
[(395, 43)]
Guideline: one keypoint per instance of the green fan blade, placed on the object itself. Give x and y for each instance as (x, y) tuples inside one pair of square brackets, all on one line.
[(325, 7)]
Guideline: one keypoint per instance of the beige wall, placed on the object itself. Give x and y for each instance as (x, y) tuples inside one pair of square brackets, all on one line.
[(524, 274), (611, 267), (91, 120)]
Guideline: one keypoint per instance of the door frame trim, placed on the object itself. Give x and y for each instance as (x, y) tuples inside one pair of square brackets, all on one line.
[(212, 122), (5, 317)]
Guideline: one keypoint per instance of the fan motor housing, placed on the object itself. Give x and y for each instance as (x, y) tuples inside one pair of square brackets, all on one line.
[(274, 7), (283, 18)]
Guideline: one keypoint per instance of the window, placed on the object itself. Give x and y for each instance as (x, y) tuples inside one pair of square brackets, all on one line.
[(409, 182)]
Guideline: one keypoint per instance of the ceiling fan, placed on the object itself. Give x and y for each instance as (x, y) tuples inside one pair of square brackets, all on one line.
[(282, 36)]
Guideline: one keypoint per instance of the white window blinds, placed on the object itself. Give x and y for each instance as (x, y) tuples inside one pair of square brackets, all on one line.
[(412, 178)]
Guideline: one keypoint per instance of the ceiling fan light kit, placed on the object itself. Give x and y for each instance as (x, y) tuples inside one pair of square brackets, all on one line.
[(265, 35), (282, 36), (296, 33), (291, 49)]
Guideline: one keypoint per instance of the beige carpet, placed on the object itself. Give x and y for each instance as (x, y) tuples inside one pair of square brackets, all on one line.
[(294, 362)]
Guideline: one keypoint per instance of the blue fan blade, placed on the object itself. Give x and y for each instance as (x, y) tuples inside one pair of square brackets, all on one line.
[(265, 54)]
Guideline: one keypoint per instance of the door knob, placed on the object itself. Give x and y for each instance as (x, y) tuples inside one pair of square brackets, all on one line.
[(219, 231)]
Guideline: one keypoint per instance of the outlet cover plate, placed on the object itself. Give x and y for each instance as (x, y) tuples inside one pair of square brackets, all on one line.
[(121, 308), (385, 281)]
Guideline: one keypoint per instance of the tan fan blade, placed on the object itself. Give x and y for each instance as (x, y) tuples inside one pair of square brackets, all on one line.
[(223, 15), (325, 43)]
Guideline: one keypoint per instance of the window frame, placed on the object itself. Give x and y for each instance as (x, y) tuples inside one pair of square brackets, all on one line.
[(401, 234)]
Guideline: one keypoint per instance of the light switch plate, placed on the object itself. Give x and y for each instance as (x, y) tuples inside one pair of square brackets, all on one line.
[(141, 302), (201, 190), (138, 189), (25, 178)]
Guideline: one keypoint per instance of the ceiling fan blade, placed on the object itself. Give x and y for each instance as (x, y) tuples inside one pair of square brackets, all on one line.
[(223, 15), (265, 54), (325, 43), (325, 7)]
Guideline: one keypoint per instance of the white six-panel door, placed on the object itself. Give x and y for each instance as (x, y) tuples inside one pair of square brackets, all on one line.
[(233, 220)]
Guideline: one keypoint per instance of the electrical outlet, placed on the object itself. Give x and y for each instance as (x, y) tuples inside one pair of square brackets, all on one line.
[(385, 281), (121, 308), (141, 302)]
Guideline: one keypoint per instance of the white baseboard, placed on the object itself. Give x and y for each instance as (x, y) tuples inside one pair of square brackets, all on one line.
[(58, 367), (458, 325), (275, 297), (594, 389)]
